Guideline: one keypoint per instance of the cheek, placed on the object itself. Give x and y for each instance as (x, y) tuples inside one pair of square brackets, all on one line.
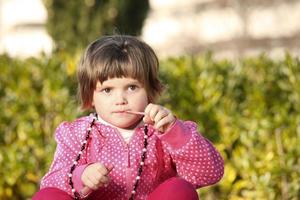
[(142, 101), (146, 100), (98, 101)]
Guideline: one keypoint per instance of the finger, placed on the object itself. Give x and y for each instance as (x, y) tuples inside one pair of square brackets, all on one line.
[(109, 167), (101, 169), (90, 184), (95, 180), (161, 114), (104, 180), (101, 175), (95, 175), (148, 108), (147, 120), (165, 122), (153, 112), (85, 191)]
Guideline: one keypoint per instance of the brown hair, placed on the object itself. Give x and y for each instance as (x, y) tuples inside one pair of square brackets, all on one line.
[(117, 56)]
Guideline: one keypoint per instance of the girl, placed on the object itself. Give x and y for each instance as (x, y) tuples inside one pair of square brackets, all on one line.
[(130, 148)]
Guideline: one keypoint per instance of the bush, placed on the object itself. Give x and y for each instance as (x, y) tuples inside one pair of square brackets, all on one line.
[(36, 95), (249, 109), (74, 24)]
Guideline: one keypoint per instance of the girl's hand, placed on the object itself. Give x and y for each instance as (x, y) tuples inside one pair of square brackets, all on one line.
[(96, 175), (159, 116)]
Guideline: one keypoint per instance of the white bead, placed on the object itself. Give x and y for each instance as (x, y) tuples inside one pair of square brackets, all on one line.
[(80, 152), (75, 163), (69, 174), (73, 190), (133, 192), (145, 136), (84, 142), (144, 149), (89, 128), (142, 163), (138, 177)]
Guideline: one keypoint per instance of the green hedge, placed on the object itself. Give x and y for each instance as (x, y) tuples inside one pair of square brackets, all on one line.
[(249, 109), (35, 95)]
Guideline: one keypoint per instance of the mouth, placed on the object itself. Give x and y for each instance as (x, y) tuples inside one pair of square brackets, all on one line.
[(129, 112), (120, 111)]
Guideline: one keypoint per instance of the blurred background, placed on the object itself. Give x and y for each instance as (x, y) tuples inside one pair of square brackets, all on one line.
[(230, 28), (230, 65)]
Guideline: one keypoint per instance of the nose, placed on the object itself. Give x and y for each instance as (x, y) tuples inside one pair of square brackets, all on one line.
[(121, 98)]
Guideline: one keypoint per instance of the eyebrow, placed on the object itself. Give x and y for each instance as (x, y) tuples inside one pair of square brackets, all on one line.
[(129, 83)]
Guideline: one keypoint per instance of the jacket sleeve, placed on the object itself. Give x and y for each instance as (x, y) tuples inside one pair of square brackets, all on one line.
[(68, 146), (195, 158)]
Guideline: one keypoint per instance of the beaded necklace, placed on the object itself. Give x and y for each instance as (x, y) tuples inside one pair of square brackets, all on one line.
[(83, 147)]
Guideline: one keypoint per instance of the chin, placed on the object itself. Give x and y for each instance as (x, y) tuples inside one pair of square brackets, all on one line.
[(129, 125)]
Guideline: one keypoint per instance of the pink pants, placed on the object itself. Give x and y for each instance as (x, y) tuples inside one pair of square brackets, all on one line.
[(171, 189)]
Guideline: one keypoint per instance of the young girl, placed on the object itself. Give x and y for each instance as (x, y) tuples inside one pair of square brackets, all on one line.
[(130, 148)]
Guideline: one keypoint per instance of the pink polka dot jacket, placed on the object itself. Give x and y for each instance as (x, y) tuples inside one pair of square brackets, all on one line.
[(181, 151)]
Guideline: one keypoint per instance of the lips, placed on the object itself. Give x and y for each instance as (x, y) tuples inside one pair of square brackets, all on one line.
[(120, 111)]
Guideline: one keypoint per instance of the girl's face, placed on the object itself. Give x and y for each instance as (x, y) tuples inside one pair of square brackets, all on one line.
[(115, 96)]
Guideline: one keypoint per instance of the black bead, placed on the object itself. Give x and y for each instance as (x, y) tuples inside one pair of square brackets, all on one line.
[(140, 171)]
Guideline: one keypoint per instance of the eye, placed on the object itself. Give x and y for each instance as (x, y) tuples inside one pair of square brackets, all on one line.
[(106, 90), (132, 87)]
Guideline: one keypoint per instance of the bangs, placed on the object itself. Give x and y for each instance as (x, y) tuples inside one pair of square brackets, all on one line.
[(119, 65)]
